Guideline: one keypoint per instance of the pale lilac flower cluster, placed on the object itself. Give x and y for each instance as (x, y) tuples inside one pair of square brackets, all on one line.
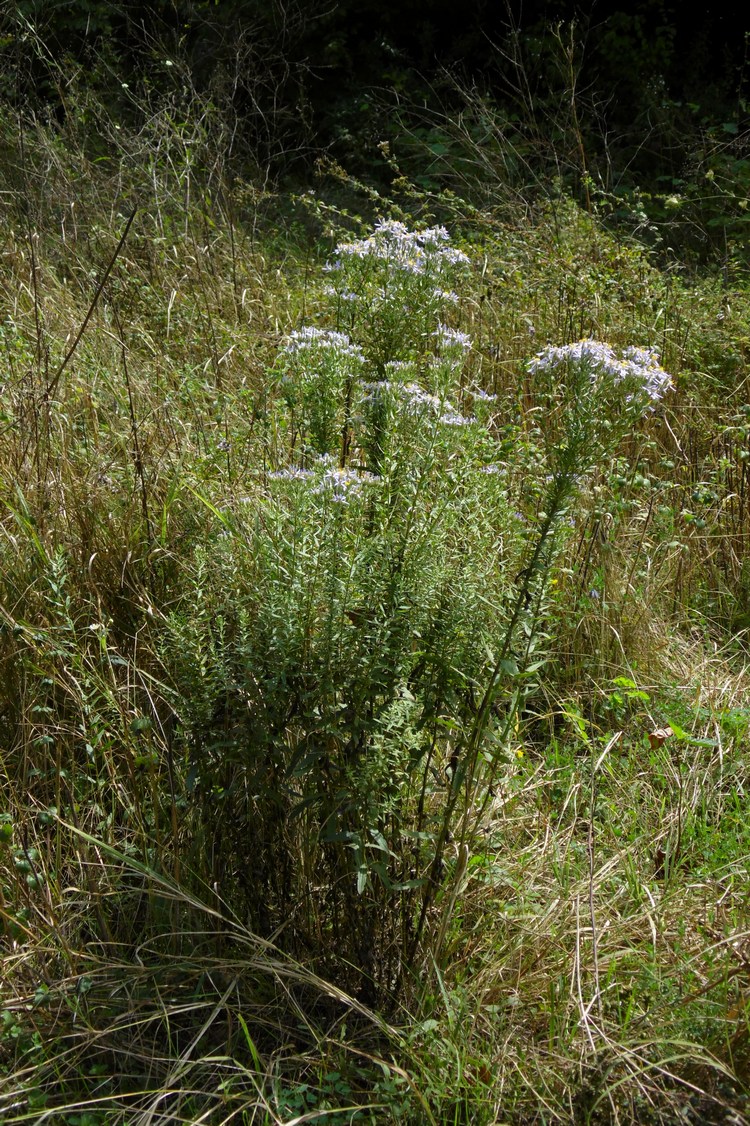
[(291, 473), (634, 365), (600, 357), (374, 390), (311, 337), (482, 396), (643, 364), (410, 392), (340, 294), (327, 478), (453, 418), (372, 387), (342, 485), (412, 251), (416, 401), (450, 338), (416, 398)]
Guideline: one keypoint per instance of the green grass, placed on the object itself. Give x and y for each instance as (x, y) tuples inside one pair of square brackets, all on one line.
[(354, 820)]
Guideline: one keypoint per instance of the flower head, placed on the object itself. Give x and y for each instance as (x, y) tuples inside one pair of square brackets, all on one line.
[(414, 252), (342, 485), (633, 365), (453, 418), (312, 338), (290, 473), (451, 338)]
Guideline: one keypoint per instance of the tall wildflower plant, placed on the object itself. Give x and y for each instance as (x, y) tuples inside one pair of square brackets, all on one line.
[(318, 369), (592, 395), (370, 598), (391, 288)]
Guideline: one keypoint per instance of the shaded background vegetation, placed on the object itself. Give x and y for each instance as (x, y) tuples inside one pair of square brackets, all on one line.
[(643, 106), (648, 75)]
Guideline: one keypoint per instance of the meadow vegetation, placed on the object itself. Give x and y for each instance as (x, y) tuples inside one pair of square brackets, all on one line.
[(373, 654)]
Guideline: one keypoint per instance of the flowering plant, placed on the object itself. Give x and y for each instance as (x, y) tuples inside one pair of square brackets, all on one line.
[(636, 372), (594, 395), (366, 393), (317, 365), (391, 287), (372, 504), (389, 583)]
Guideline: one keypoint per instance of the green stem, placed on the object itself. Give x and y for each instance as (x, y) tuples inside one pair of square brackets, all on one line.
[(464, 757)]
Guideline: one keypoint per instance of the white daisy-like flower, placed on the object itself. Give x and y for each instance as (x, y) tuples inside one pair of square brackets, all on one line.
[(639, 366)]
